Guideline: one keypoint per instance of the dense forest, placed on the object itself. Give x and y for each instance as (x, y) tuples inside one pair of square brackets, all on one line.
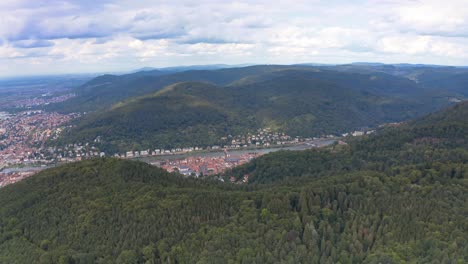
[(401, 80), (438, 137), (106, 90), (399, 196), (200, 114)]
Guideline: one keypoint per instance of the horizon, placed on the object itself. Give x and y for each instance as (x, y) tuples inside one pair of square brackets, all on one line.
[(243, 65), (80, 36)]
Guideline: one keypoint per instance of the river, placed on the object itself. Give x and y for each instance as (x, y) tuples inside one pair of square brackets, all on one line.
[(238, 152)]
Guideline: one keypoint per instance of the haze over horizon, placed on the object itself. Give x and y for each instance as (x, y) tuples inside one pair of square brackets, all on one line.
[(72, 36)]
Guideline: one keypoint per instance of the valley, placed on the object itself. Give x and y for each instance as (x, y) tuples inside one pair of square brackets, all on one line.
[(291, 163), (396, 195), (233, 132), (200, 113), (206, 111)]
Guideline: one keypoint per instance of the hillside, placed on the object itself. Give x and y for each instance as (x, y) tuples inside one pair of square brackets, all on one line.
[(438, 137), (298, 102), (439, 81), (452, 82), (103, 91), (388, 80), (184, 114), (397, 197), (100, 208)]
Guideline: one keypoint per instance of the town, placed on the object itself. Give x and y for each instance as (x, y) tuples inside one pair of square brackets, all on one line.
[(44, 99), (200, 166), (24, 152), (22, 141), (261, 139)]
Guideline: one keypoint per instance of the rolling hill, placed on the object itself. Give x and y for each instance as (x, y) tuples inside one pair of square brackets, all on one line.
[(103, 91), (400, 80), (440, 81), (396, 197), (438, 137), (299, 102), (173, 117)]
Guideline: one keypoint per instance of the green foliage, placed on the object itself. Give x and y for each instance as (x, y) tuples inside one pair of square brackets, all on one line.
[(437, 138), (396, 197), (299, 102), (128, 257), (106, 90)]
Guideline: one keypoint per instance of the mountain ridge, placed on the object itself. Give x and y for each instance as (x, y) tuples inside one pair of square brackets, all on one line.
[(444, 130), (106, 90), (321, 105)]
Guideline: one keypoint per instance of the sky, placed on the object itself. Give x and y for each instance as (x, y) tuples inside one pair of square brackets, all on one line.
[(83, 36)]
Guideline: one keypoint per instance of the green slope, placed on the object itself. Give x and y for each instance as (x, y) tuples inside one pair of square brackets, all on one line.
[(103, 91), (181, 115), (439, 81), (100, 208), (299, 102), (438, 137), (390, 198), (393, 80)]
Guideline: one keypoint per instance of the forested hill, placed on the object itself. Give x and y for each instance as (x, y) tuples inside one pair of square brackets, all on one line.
[(441, 137), (389, 80), (456, 115), (299, 102), (181, 115), (93, 211), (104, 91), (397, 197)]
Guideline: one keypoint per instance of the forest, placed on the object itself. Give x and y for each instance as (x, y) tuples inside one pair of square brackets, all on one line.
[(199, 113), (399, 196), (438, 137)]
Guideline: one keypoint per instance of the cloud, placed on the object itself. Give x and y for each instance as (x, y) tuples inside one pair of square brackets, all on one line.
[(29, 44), (434, 17), (421, 45), (122, 34), (158, 35), (209, 40)]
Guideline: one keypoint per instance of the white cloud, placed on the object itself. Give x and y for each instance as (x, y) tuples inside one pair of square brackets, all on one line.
[(424, 45), (434, 17), (405, 44), (8, 52), (118, 34)]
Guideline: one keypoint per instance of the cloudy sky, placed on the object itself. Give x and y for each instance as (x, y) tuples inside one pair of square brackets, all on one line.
[(73, 36)]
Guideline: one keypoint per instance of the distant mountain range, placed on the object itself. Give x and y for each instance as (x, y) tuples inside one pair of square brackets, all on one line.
[(191, 68), (299, 101), (106, 90), (161, 108)]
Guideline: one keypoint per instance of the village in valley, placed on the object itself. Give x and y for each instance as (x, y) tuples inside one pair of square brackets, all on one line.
[(26, 130), (22, 142), (24, 152)]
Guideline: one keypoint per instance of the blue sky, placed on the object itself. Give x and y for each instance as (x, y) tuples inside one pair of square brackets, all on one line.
[(72, 36)]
